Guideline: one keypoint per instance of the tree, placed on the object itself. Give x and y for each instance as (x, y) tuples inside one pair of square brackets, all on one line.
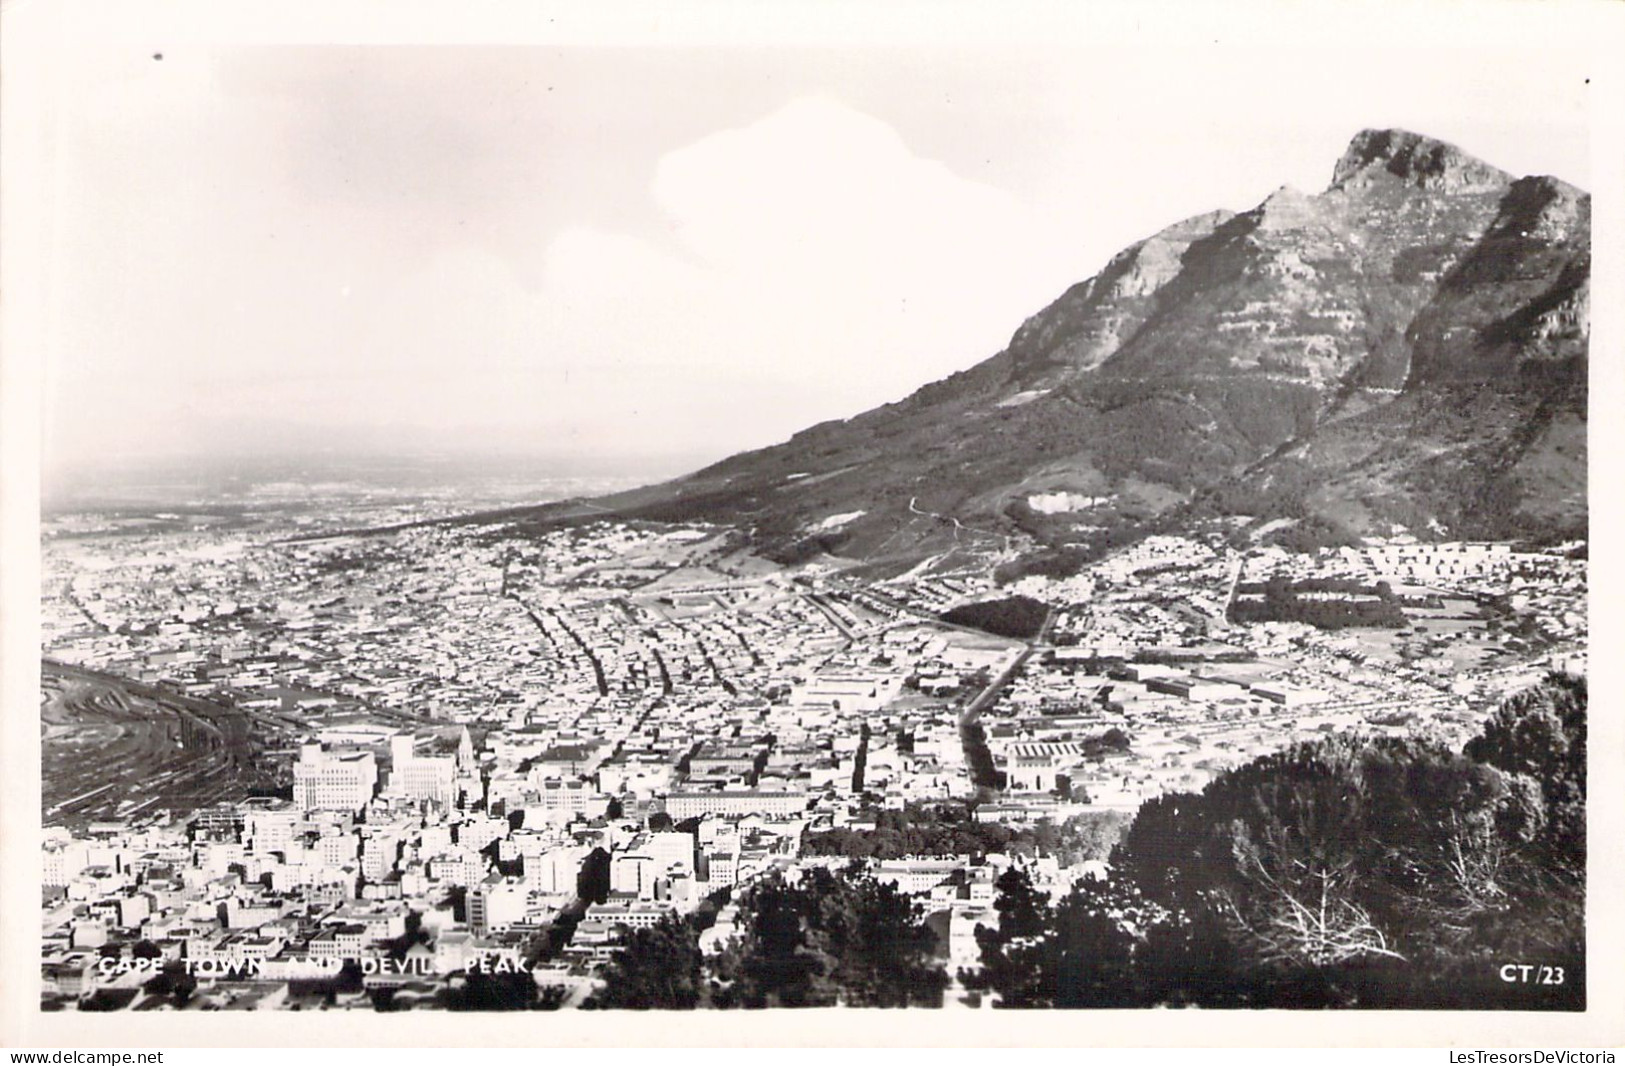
[(1008, 952), (660, 968), (1090, 958), (832, 939), (1079, 953), (1189, 958), (777, 967), (592, 883), (493, 991), (1338, 850), (1303, 911), (1541, 733), (174, 982), (883, 952), (1022, 908)]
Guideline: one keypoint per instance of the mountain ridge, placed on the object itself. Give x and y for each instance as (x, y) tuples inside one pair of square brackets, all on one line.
[(1405, 350)]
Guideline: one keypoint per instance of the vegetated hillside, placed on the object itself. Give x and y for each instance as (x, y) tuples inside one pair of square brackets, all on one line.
[(1407, 347)]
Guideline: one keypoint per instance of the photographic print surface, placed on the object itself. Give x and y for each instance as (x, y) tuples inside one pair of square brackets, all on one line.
[(581, 526)]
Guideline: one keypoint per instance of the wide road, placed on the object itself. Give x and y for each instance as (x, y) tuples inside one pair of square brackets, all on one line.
[(973, 710)]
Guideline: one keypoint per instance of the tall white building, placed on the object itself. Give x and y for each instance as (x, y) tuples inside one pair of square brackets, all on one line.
[(496, 903), (333, 780), (271, 825), (379, 854), (554, 870), (421, 778), (649, 859)]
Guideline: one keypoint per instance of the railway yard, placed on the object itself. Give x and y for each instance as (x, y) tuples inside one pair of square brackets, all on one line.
[(115, 748)]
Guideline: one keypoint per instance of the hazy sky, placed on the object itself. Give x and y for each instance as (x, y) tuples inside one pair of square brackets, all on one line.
[(642, 250)]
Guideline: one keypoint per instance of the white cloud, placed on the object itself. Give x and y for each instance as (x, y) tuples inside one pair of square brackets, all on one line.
[(823, 255), (816, 268)]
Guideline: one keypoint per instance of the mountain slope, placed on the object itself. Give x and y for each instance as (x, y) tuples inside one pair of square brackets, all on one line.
[(1407, 347)]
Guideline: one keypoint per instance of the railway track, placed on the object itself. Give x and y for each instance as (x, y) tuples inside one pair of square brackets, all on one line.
[(113, 747)]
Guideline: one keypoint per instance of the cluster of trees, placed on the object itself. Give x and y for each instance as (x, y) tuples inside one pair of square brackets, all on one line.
[(952, 829), (1540, 734), (919, 829), (1113, 741), (1020, 617), (829, 939), (660, 968), (487, 992), (1282, 602), (1391, 873), (1081, 549), (1077, 953)]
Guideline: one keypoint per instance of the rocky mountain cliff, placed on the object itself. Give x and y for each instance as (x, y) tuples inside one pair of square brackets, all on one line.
[(1406, 349)]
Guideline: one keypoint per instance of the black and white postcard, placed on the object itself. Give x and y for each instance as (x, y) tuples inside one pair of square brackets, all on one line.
[(959, 514)]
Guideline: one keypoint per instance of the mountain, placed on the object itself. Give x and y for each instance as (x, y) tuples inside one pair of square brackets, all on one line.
[(1405, 350)]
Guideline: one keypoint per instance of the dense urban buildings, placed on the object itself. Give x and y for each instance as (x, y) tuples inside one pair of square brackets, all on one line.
[(350, 768)]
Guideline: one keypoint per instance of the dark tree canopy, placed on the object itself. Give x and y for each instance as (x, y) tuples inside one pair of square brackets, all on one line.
[(1385, 872), (1015, 616), (828, 939), (832, 939), (1541, 733), (1080, 953), (658, 969)]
